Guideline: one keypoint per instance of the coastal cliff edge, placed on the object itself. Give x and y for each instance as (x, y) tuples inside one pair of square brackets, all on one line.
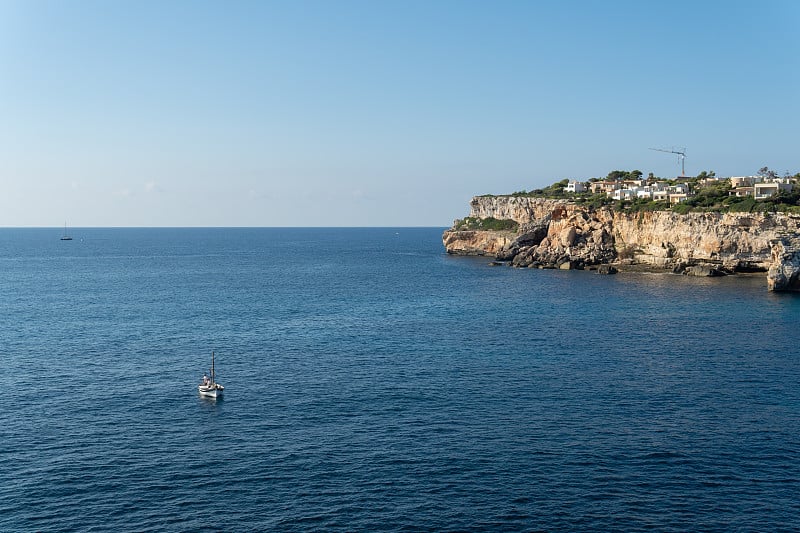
[(550, 233)]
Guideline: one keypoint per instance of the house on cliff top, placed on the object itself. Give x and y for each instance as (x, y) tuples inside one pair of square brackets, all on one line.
[(757, 187), (575, 186), (765, 190)]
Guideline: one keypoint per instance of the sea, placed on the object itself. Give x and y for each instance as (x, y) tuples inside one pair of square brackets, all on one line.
[(375, 383)]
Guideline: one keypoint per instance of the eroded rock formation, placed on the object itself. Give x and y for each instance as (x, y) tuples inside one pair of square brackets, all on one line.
[(784, 273), (564, 234)]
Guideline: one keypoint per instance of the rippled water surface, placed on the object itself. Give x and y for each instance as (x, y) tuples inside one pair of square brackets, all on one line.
[(374, 383)]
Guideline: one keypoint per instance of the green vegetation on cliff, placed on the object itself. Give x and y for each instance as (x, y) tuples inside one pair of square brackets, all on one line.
[(474, 223)]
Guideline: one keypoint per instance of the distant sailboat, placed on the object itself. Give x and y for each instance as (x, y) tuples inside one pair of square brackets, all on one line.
[(209, 387), (66, 236)]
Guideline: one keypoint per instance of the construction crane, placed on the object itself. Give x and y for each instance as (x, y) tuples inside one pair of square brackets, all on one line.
[(681, 155)]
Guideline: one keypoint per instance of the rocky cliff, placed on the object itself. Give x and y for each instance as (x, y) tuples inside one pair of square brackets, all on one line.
[(564, 234), (784, 272)]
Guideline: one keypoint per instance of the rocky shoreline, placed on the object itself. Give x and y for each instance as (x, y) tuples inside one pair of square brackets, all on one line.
[(567, 235)]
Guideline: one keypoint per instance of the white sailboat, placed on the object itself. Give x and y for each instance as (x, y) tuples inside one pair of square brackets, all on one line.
[(209, 387), (66, 236)]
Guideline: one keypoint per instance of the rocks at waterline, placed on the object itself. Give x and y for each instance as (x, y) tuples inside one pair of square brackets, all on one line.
[(565, 234)]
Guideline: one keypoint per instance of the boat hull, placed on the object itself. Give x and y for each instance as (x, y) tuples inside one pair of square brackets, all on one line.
[(210, 391)]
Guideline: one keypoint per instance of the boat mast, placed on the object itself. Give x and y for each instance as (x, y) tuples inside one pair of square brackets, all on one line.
[(212, 369)]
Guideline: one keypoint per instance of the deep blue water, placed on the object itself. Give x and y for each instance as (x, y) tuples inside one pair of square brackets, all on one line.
[(374, 383)]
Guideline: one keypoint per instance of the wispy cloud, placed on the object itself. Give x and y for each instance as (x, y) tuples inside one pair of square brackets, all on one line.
[(151, 186)]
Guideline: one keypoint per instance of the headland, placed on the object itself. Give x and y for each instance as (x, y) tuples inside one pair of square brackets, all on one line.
[(537, 232)]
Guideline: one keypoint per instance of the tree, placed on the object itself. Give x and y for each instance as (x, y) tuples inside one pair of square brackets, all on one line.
[(706, 175), (635, 174), (766, 173), (617, 175)]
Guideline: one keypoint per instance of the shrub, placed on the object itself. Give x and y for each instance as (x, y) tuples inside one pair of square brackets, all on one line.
[(646, 204), (598, 200), (744, 205), (682, 208), (490, 223)]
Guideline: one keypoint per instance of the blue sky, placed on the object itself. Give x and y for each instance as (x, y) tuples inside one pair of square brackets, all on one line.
[(344, 113)]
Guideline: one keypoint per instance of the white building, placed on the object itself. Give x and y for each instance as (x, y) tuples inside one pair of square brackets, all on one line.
[(575, 186), (607, 187), (659, 191), (623, 194), (765, 190), (661, 195), (743, 181), (741, 192), (644, 192)]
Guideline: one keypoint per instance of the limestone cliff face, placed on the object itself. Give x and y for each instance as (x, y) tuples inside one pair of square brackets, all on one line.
[(734, 241), (784, 273), (519, 209), (563, 234), (477, 242)]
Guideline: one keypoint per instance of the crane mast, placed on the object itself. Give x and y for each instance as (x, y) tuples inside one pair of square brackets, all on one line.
[(681, 156)]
